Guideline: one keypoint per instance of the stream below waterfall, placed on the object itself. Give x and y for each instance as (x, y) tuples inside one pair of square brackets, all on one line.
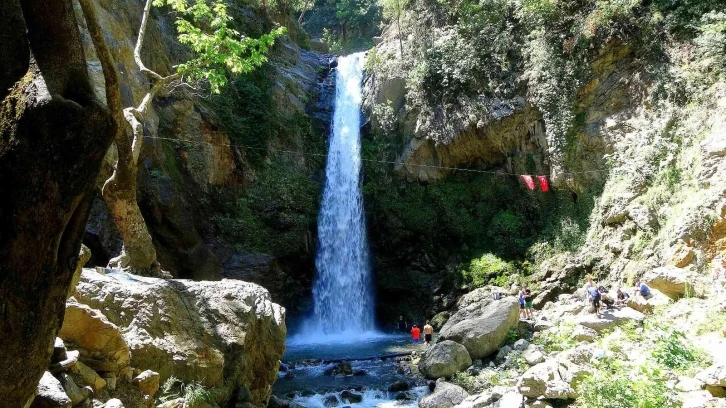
[(305, 376)]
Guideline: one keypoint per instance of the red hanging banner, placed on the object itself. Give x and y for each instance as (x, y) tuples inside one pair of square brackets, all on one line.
[(544, 185), (528, 181)]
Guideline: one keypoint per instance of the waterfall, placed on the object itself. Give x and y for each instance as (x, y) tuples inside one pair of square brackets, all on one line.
[(342, 292)]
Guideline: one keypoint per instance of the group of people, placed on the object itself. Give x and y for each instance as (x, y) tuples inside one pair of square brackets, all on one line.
[(598, 296), (428, 331)]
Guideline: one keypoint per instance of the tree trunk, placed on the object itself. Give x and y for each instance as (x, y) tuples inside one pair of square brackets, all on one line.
[(119, 192), (53, 136)]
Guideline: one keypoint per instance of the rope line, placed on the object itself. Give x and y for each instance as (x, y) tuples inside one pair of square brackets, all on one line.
[(246, 147)]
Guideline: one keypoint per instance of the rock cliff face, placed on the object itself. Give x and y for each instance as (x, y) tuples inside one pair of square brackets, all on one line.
[(653, 168), (198, 164)]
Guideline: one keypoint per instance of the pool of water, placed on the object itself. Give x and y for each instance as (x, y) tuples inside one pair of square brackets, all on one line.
[(304, 379)]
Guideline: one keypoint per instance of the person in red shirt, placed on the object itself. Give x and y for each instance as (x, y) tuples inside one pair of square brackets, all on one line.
[(415, 333)]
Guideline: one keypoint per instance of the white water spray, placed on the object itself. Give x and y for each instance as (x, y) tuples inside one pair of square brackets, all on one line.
[(342, 292)]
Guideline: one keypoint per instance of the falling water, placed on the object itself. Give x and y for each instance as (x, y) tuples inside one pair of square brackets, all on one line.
[(342, 290)]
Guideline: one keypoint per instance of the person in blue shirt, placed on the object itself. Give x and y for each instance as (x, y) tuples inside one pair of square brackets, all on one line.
[(642, 289), (595, 297)]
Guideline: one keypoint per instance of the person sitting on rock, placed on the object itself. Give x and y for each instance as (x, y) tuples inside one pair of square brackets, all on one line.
[(642, 289), (606, 298), (622, 297), (595, 297)]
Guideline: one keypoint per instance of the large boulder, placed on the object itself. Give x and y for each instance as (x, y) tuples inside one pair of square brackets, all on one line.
[(643, 305), (714, 376), (99, 341), (484, 330), (675, 282), (83, 257), (610, 319), (50, 394), (444, 359), (446, 395), (548, 380), (228, 335)]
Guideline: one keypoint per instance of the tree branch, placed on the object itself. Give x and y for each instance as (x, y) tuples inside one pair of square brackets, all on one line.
[(140, 43)]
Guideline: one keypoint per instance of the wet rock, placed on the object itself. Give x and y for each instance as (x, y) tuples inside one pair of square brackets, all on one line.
[(359, 373), (50, 394), (399, 386), (330, 401), (446, 395), (351, 397), (484, 334), (289, 375), (444, 359)]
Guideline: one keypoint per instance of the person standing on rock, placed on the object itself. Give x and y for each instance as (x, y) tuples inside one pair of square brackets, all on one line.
[(402, 326), (528, 305), (428, 333), (415, 333), (522, 310), (594, 295)]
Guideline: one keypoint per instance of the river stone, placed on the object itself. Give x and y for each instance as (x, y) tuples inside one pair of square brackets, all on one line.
[(99, 341), (484, 334), (116, 403), (446, 395), (351, 397), (227, 334), (644, 305), (582, 333), (73, 391), (50, 394), (444, 359), (399, 386), (545, 380)]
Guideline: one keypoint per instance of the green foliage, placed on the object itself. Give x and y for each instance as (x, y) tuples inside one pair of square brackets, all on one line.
[(470, 383), (247, 112), (617, 386), (194, 393), (483, 270), (512, 336), (277, 213), (672, 351), (218, 48), (558, 339)]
